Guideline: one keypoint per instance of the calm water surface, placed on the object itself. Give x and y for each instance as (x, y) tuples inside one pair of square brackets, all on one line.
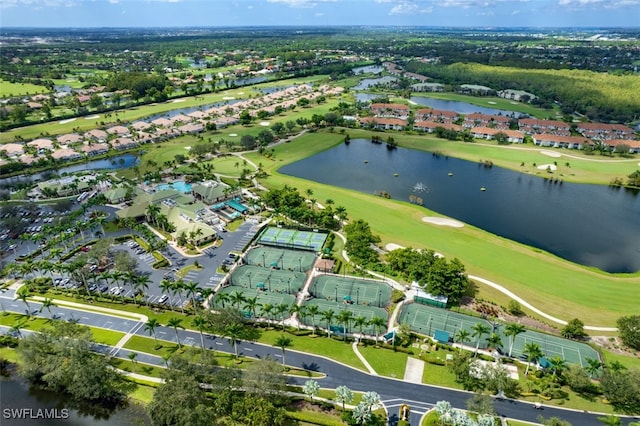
[(460, 107), (16, 394), (588, 224)]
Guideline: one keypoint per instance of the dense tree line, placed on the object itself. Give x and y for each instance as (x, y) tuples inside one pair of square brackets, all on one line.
[(600, 96), (289, 202), (140, 85)]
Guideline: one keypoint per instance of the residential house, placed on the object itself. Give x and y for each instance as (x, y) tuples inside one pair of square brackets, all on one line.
[(439, 115), (488, 133), (211, 192), (390, 110), (65, 154), (69, 138), (516, 95), (12, 150), (96, 134), (533, 125), (560, 141), (430, 126), (383, 123), (95, 149)]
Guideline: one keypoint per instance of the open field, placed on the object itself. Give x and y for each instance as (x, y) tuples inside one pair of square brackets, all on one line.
[(556, 286), (9, 89)]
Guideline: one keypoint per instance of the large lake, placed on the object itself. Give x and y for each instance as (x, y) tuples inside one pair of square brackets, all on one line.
[(588, 224)]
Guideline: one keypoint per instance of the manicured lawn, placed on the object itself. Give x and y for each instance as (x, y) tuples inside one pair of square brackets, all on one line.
[(8, 89), (333, 349), (139, 368), (518, 423), (439, 375), (385, 361), (627, 361)]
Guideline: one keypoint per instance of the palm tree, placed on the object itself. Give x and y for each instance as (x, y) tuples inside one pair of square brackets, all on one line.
[(234, 331), (462, 336), (512, 330), (152, 212), (360, 322), (176, 288), (494, 341), (222, 299), (533, 352), (22, 294), (17, 327), (191, 288), (283, 342), (479, 330), (266, 310), (295, 309), (132, 356), (328, 316), (345, 317), (237, 298), (378, 323), (200, 323), (593, 366), (151, 326), (557, 365), (141, 283), (281, 310), (312, 311), (251, 304), (167, 287), (176, 322), (47, 304)]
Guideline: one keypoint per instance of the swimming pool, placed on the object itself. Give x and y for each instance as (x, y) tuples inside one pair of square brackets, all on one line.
[(177, 185)]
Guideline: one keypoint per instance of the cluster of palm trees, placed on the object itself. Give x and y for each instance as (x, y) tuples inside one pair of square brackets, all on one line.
[(190, 289), (277, 313)]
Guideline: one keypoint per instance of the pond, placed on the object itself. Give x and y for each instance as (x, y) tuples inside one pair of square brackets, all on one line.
[(460, 107), (588, 224), (372, 69), (18, 395), (367, 83), (118, 162)]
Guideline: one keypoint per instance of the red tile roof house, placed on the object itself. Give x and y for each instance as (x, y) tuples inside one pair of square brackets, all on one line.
[(123, 143), (634, 146), (602, 131), (69, 138), (477, 119), (430, 126), (181, 118), (96, 134), (390, 110), (162, 122), (533, 125), (141, 125), (191, 128), (429, 114), (489, 133), (119, 130), (559, 141), (13, 150), (65, 154), (95, 149), (384, 123), (41, 144)]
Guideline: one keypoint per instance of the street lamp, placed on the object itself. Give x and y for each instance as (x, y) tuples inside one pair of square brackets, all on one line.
[(336, 294), (249, 275), (357, 294), (300, 264)]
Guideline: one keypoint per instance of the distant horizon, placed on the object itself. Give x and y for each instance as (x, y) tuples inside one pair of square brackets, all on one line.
[(50, 14), (444, 27)]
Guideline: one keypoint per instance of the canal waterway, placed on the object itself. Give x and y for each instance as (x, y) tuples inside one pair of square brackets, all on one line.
[(592, 225)]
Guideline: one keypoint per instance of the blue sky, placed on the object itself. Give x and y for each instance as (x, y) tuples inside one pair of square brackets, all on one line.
[(162, 13)]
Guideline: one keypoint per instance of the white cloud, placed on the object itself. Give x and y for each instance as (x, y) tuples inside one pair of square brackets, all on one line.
[(301, 3), (609, 4), (406, 7)]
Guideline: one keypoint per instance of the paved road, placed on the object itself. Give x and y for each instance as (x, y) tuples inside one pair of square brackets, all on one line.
[(392, 391)]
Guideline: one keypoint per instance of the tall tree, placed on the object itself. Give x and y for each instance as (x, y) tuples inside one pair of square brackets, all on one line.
[(512, 330), (151, 326), (283, 342), (175, 323), (477, 331), (533, 352)]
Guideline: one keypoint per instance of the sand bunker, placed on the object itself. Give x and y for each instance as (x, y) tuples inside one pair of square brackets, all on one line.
[(177, 101), (69, 120), (491, 102), (551, 167), (92, 117), (393, 246), (264, 123), (551, 154), (233, 135), (443, 221), (513, 103), (228, 98)]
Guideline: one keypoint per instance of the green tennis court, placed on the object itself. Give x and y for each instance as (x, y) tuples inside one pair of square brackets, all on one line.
[(426, 320), (552, 346), (267, 279), (351, 290), (366, 312), (292, 238), (290, 260), (264, 298)]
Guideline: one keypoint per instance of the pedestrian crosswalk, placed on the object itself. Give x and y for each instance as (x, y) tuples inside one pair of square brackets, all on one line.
[(415, 407), (147, 258)]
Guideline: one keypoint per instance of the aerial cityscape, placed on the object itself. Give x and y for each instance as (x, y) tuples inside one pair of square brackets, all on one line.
[(309, 212)]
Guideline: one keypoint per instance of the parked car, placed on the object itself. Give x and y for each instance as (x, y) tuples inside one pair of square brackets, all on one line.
[(163, 299)]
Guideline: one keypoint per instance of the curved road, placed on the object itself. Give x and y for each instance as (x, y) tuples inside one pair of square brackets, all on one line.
[(393, 392)]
